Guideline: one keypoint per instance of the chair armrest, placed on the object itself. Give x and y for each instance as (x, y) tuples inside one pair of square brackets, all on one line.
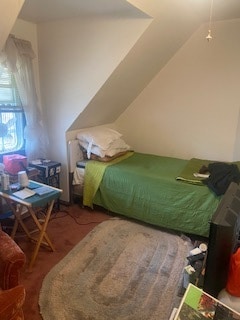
[(11, 302), (12, 260)]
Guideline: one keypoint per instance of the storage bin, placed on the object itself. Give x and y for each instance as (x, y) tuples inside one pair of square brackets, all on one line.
[(14, 163)]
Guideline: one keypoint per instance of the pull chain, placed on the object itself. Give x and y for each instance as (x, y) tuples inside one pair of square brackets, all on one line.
[(209, 36)]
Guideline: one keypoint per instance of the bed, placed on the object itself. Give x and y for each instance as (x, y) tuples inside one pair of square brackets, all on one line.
[(145, 187), (158, 190)]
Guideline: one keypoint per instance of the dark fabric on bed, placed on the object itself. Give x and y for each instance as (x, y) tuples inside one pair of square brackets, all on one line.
[(144, 187), (221, 175)]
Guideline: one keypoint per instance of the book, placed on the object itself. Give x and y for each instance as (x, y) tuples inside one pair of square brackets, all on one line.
[(199, 305), (24, 193), (43, 190)]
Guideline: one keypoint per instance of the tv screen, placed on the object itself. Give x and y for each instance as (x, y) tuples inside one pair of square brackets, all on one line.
[(223, 240)]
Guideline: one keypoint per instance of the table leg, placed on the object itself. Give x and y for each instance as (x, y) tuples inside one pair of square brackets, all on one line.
[(42, 228), (18, 219)]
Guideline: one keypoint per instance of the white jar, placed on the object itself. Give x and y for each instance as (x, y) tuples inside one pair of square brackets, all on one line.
[(23, 179)]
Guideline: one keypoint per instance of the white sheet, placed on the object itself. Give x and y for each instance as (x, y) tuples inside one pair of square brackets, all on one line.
[(78, 176)]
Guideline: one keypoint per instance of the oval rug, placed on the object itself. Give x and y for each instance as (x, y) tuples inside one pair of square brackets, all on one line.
[(121, 270)]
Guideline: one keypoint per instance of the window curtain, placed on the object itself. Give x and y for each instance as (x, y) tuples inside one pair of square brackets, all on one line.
[(18, 55)]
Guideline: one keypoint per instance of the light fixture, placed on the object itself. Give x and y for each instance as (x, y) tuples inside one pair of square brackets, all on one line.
[(209, 35)]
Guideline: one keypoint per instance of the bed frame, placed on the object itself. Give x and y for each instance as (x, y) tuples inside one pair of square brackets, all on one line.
[(74, 155)]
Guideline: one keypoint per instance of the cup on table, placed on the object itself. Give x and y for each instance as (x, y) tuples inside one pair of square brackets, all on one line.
[(23, 179)]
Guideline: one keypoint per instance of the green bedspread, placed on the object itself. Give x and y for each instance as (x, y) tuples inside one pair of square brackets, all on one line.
[(94, 172), (144, 187)]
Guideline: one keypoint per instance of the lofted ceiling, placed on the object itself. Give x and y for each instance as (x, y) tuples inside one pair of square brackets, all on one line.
[(180, 18), (39, 11)]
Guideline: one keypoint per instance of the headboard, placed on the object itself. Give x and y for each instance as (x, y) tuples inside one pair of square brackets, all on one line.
[(74, 154)]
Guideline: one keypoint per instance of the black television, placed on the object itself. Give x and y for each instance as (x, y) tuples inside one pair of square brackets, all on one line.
[(223, 240)]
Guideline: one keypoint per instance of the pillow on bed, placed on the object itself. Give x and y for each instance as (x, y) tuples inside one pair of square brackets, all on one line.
[(98, 136), (115, 147)]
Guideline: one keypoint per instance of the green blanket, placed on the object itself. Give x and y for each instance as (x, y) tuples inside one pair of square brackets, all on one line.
[(94, 172), (144, 187), (193, 166)]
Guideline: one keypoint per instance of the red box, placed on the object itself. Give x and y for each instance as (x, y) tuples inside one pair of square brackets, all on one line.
[(14, 163)]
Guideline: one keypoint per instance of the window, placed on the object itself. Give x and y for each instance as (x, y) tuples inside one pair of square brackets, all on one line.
[(12, 119)]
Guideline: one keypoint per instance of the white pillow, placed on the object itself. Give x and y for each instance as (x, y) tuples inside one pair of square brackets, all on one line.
[(115, 147), (98, 136)]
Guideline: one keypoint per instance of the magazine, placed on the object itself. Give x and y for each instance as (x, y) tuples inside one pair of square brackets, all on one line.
[(198, 305)]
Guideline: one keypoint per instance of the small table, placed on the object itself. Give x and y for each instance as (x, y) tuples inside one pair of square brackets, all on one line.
[(17, 206)]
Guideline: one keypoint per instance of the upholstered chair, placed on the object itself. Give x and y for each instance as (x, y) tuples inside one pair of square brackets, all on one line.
[(12, 294)]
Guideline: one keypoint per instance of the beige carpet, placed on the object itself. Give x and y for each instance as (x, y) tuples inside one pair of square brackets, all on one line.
[(120, 270)]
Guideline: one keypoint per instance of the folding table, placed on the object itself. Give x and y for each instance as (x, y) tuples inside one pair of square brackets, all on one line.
[(30, 204)]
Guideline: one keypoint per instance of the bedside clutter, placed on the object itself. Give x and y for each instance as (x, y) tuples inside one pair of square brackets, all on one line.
[(194, 271), (194, 274)]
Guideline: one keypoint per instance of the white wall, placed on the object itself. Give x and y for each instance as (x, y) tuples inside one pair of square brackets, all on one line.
[(191, 108), (76, 57)]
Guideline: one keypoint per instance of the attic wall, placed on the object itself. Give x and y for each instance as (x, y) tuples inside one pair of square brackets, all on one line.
[(76, 57), (151, 52), (191, 108)]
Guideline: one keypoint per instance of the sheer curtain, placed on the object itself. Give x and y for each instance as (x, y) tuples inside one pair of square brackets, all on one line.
[(18, 55)]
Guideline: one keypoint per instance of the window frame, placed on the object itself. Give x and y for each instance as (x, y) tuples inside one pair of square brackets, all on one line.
[(11, 104)]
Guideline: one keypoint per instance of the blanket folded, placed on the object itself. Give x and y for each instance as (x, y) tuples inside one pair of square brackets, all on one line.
[(193, 166), (94, 172)]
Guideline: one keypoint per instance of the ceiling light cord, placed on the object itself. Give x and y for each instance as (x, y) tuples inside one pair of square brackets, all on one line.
[(209, 35)]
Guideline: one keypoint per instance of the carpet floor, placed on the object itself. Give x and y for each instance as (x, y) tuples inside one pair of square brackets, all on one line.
[(121, 270), (66, 228)]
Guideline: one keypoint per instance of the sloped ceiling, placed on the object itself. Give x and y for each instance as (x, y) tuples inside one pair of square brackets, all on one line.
[(39, 11), (11, 10), (173, 23)]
